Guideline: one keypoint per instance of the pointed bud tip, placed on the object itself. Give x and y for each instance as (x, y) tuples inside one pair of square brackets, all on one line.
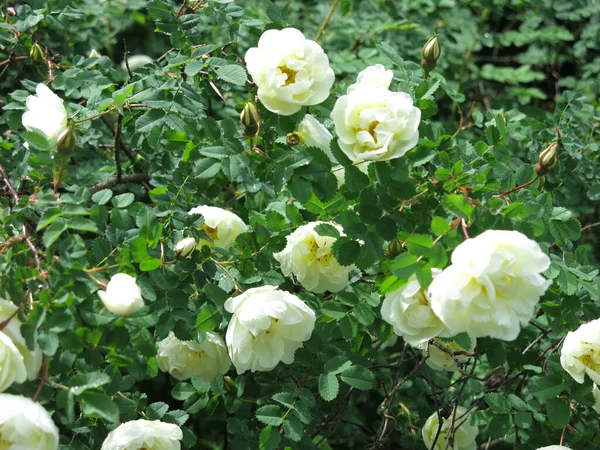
[(37, 53), (250, 118)]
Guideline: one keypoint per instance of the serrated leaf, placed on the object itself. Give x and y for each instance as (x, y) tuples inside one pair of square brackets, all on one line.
[(329, 386), (53, 232), (101, 405), (565, 232), (207, 168), (208, 318), (269, 438), (359, 377), (102, 197), (559, 413), (233, 74), (270, 415), (293, 429), (123, 200), (458, 205), (345, 251), (498, 403)]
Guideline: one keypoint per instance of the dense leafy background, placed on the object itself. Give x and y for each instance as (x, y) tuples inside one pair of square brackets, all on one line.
[(511, 73)]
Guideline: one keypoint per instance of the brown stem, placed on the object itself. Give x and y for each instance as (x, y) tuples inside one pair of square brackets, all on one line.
[(112, 182), (518, 188), (327, 19), (117, 148)]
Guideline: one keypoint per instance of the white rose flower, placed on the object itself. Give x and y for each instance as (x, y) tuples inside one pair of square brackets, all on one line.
[(12, 365), (268, 326), (375, 124), (580, 352), (314, 134), (25, 425), (144, 434), (442, 360), (408, 310), (375, 75), (222, 226), (554, 447), (136, 62), (308, 256), (186, 359), (493, 285), (122, 296), (45, 112), (31, 358), (596, 394), (464, 436), (289, 70)]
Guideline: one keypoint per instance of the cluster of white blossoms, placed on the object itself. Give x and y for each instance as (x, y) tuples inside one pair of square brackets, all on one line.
[(493, 285), (580, 353), (186, 359), (221, 226), (17, 362), (45, 113), (289, 70), (25, 425), (308, 256), (267, 327), (464, 435), (144, 434), (374, 123)]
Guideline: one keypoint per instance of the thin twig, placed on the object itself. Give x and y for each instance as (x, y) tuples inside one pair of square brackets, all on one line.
[(112, 182), (592, 225), (327, 19), (117, 148)]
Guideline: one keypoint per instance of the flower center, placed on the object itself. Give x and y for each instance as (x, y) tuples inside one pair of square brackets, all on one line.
[(273, 321), (213, 233), (591, 360), (320, 254), (371, 129), (289, 73)]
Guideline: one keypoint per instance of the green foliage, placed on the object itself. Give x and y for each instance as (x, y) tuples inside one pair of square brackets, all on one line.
[(509, 77)]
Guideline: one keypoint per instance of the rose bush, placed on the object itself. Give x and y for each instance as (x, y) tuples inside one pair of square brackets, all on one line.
[(349, 150)]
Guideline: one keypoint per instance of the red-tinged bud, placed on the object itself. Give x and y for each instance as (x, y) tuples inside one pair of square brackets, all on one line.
[(431, 52)]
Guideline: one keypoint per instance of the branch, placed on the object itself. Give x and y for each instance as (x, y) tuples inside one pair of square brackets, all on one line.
[(327, 19), (125, 179)]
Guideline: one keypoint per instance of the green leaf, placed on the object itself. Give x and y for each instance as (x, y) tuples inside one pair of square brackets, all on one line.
[(439, 226), (270, 415), (337, 364), (123, 200), (269, 438), (364, 314), (329, 386), (498, 403), (326, 229), (345, 251), (404, 265), (208, 318), (99, 405), (82, 224), (102, 197), (565, 232), (390, 53), (547, 387), (593, 193), (233, 74), (359, 377), (194, 67), (53, 232), (150, 264), (293, 429), (85, 381), (457, 205), (559, 413), (207, 168)]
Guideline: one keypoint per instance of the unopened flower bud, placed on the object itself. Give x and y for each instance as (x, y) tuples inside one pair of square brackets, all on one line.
[(549, 156), (94, 54), (229, 385), (292, 139), (394, 248), (250, 118), (431, 53), (66, 141), (185, 247), (37, 53)]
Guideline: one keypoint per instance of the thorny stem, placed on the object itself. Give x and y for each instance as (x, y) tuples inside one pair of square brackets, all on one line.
[(327, 19), (518, 188)]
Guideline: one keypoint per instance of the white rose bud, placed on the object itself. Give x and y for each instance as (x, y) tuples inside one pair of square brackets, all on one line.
[(45, 112), (375, 75), (308, 256), (493, 285), (580, 352), (596, 394), (185, 247), (222, 226), (408, 310), (32, 359), (464, 434), (313, 134), (268, 326), (25, 424), (186, 359), (144, 434), (122, 296), (289, 70), (375, 124), (442, 359), (12, 366)]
